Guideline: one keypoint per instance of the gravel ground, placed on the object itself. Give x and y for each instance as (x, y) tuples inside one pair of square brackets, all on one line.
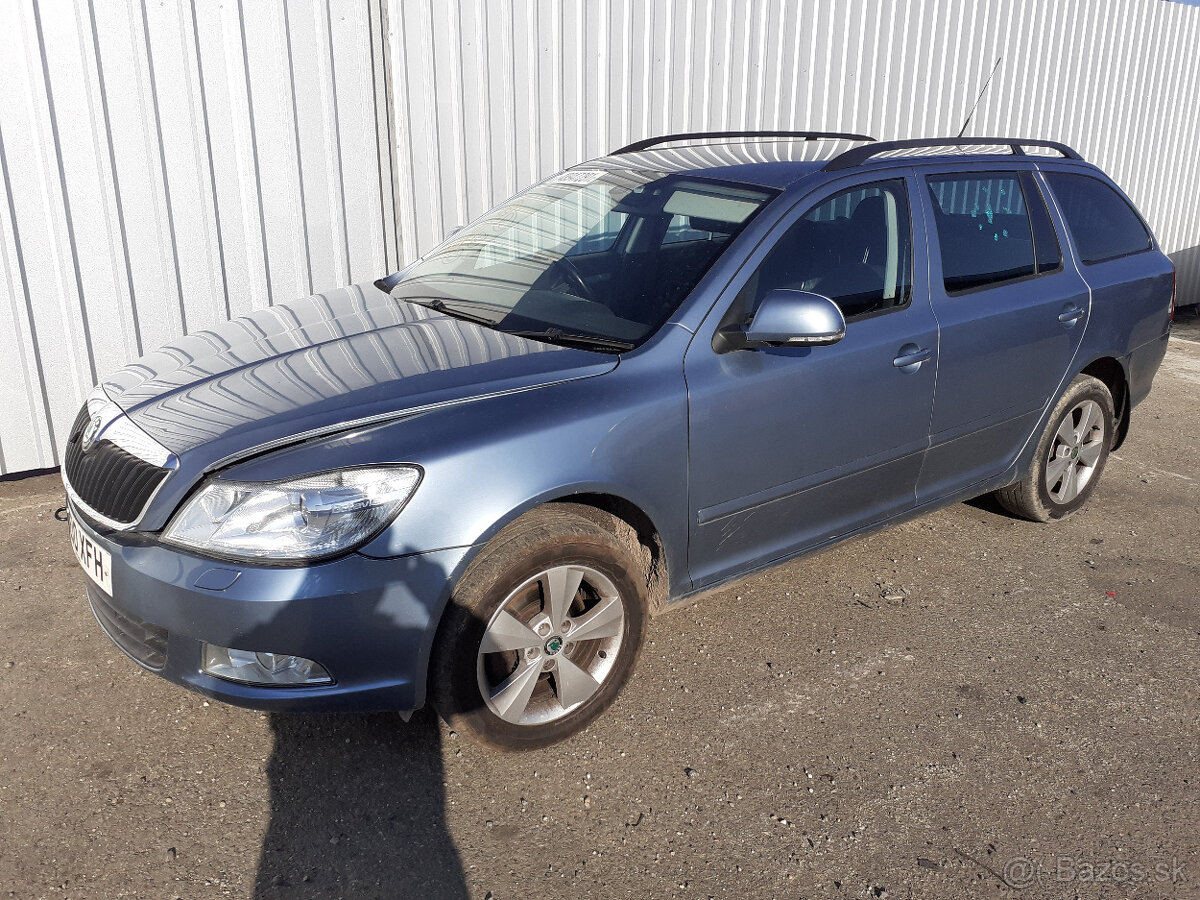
[(1187, 322), (966, 705)]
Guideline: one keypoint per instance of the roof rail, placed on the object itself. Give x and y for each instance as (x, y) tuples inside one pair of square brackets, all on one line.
[(858, 155), (701, 135)]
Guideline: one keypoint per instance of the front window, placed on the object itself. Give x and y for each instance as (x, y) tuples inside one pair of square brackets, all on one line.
[(854, 248), (592, 257)]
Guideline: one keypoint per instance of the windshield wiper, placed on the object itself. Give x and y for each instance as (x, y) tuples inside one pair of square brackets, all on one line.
[(439, 305), (550, 335), (590, 341)]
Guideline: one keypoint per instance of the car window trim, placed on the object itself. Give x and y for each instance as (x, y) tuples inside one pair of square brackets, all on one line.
[(1108, 259), (1028, 179), (962, 292)]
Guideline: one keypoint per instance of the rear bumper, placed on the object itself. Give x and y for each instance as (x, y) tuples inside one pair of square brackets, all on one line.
[(369, 622)]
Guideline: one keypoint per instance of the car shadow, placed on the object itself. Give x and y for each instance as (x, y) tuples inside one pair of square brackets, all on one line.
[(988, 503), (357, 810), (357, 800)]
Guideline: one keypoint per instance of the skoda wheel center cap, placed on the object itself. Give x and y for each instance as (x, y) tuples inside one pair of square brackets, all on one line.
[(553, 645)]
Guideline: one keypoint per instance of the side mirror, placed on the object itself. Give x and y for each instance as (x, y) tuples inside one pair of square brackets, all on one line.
[(794, 319)]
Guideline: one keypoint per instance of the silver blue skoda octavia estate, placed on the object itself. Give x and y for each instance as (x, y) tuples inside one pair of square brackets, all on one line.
[(472, 481)]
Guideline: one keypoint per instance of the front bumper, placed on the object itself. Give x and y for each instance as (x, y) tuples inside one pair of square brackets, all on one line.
[(369, 622)]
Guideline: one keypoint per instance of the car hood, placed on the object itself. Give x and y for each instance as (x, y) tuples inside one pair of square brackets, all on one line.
[(321, 364)]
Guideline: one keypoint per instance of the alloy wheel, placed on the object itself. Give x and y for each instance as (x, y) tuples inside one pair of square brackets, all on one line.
[(1076, 449), (550, 645)]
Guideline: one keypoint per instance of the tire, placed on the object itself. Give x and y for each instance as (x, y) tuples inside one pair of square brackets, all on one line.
[(1070, 456), (507, 595)]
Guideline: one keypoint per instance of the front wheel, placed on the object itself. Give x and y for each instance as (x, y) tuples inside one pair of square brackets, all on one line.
[(1070, 456), (543, 631)]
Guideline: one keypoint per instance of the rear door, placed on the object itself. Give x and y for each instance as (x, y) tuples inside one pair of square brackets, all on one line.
[(791, 446), (1012, 314)]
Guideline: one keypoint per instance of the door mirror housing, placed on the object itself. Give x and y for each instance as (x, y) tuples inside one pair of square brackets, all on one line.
[(794, 319)]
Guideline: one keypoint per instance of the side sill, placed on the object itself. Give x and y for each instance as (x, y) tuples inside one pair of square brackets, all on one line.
[(976, 490)]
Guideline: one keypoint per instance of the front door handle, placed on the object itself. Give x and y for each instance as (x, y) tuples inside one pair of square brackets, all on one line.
[(1070, 315), (911, 355)]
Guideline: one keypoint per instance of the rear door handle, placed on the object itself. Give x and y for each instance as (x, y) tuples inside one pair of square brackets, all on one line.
[(1070, 315), (912, 357)]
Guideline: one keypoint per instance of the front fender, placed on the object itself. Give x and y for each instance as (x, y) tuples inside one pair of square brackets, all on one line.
[(622, 434)]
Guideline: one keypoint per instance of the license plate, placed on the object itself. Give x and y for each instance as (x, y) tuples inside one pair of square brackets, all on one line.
[(96, 561)]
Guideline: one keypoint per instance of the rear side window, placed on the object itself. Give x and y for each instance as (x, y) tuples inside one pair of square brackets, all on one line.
[(1101, 221), (983, 229)]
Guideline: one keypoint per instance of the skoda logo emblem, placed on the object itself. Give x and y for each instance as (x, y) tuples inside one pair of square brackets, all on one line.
[(90, 431)]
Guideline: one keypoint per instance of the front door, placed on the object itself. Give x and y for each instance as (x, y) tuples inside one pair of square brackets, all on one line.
[(789, 447)]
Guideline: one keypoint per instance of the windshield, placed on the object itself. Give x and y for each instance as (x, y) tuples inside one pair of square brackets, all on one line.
[(591, 257)]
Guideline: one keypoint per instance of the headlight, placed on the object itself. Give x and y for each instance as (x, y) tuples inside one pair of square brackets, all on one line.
[(302, 519)]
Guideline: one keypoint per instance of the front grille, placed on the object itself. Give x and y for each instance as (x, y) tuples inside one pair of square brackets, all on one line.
[(111, 481), (145, 643)]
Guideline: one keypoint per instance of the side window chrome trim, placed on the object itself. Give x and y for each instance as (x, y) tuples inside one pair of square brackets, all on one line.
[(1108, 259)]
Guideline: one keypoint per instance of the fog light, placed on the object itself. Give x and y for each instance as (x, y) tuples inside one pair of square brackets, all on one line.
[(271, 669)]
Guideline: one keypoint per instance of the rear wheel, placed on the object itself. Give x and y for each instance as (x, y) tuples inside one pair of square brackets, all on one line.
[(1070, 456), (542, 633)]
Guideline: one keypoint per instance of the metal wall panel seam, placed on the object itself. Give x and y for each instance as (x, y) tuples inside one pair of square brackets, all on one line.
[(482, 55), (130, 307), (1187, 134), (402, 137), (335, 174), (382, 100), (65, 201), (252, 133), (212, 177), (1149, 121), (432, 122), (45, 451), (162, 170)]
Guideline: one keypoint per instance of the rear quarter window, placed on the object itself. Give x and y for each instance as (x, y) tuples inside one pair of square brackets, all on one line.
[(1101, 221)]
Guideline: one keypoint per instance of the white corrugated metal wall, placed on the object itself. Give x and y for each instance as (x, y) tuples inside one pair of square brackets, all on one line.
[(168, 163), (491, 95)]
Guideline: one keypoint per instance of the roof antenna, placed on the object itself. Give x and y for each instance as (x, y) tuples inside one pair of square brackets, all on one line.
[(980, 97)]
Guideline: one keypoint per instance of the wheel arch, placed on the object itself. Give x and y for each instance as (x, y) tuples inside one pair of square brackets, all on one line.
[(634, 527), (627, 520), (1112, 374)]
